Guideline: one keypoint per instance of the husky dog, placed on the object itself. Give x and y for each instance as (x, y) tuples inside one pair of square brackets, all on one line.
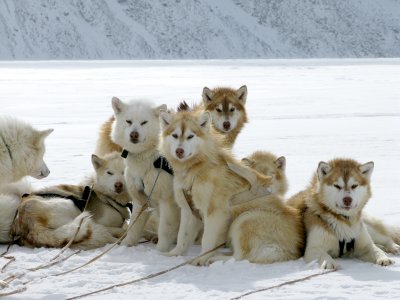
[(50, 217), (332, 213), (227, 108), (203, 182), (136, 129), (265, 229), (268, 164), (21, 151)]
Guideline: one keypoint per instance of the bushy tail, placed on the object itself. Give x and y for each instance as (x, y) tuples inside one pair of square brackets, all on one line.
[(386, 237), (34, 232)]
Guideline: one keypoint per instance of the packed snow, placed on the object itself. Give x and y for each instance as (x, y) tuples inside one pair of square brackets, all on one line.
[(307, 110), (160, 29)]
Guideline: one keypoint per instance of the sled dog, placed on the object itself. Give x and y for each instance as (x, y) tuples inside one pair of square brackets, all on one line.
[(332, 213), (227, 108), (50, 217), (21, 151), (203, 182), (265, 229), (137, 129)]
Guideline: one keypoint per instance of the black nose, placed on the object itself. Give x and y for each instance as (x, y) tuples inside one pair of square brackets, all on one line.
[(227, 125), (347, 201), (118, 186)]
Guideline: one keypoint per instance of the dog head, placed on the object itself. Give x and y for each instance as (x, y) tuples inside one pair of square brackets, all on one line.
[(268, 164), (227, 107), (109, 173), (184, 134), (136, 127), (37, 168), (344, 185)]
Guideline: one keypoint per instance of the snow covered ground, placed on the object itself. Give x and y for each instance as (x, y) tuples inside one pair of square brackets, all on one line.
[(307, 110)]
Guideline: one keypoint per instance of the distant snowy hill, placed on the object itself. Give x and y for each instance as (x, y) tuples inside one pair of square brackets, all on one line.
[(194, 29)]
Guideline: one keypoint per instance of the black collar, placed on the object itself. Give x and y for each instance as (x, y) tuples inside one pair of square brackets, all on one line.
[(160, 163)]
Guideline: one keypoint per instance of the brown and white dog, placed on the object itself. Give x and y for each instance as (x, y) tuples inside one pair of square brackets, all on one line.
[(50, 217), (332, 213), (203, 181)]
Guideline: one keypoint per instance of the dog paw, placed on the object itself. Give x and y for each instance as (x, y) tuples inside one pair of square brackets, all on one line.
[(174, 252), (162, 248), (384, 261), (201, 261), (329, 264), (128, 243)]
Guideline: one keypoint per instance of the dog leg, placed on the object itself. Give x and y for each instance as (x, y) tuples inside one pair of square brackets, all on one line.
[(136, 231), (168, 226)]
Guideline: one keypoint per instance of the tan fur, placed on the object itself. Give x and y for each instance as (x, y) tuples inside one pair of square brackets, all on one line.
[(206, 177), (326, 224), (104, 143), (266, 230), (384, 236), (52, 221)]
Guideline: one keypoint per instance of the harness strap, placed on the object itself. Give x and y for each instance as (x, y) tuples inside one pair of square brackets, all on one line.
[(7, 147), (349, 246), (189, 201), (162, 163)]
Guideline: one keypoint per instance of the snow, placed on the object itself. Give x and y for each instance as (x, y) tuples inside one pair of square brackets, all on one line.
[(159, 29), (307, 110)]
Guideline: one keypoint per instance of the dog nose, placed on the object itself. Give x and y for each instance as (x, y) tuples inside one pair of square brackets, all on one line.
[(118, 186), (179, 152), (134, 136), (226, 125), (347, 201)]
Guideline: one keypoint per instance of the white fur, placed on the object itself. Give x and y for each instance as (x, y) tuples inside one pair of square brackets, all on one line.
[(140, 174), (21, 151)]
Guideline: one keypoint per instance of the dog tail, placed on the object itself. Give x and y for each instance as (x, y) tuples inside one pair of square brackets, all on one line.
[(385, 236), (35, 231)]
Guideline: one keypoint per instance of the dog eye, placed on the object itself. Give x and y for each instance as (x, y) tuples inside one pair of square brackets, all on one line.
[(175, 136), (110, 173), (218, 110), (232, 109), (129, 122), (190, 136), (143, 123), (338, 187), (354, 186)]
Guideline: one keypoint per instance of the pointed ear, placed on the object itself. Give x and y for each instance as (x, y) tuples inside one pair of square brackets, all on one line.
[(159, 109), (165, 119), (39, 136), (207, 95), (97, 162), (117, 105), (248, 162), (366, 169), (242, 93), (323, 169), (45, 133), (281, 163), (204, 120)]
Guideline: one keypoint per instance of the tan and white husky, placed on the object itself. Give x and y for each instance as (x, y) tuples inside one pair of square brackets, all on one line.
[(332, 213), (50, 217), (137, 129), (227, 108), (203, 181), (265, 229)]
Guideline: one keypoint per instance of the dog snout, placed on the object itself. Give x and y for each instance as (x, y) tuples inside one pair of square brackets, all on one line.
[(179, 152), (118, 186), (347, 201), (227, 125), (134, 137)]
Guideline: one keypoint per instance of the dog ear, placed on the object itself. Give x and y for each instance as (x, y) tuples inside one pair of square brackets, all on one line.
[(323, 169), (97, 162), (204, 120), (117, 105), (39, 136), (366, 169), (248, 162), (242, 93), (207, 95), (165, 119), (281, 163), (159, 109)]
